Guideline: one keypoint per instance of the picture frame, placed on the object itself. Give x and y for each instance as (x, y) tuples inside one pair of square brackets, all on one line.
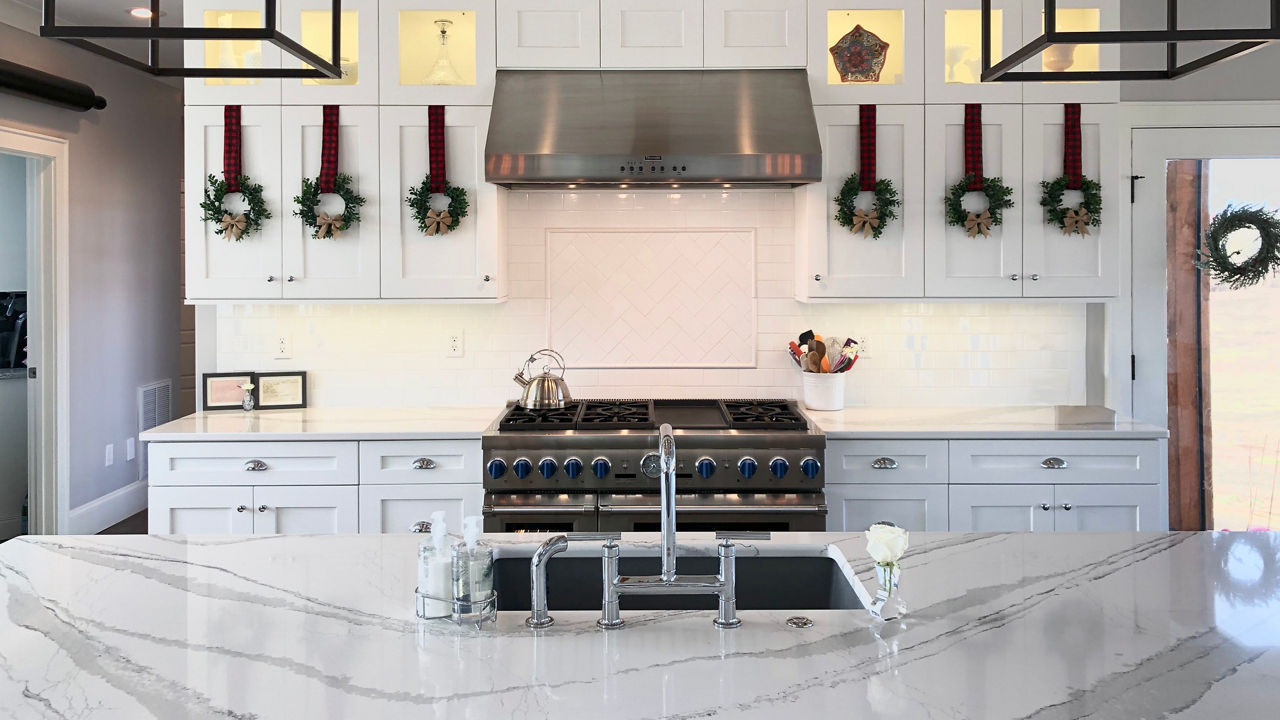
[(281, 390), (222, 390)]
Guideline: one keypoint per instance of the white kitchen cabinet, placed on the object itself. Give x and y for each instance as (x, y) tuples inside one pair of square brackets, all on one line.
[(957, 265), (467, 263), (395, 508), (310, 22), (835, 262), (228, 54), (855, 507), (548, 33), (253, 463), (882, 462), (305, 510), (413, 462), (1055, 264), (953, 50), (1092, 462), (900, 23), (1107, 508), (218, 267), (419, 67), (753, 33), (1073, 15), (1001, 508), (346, 266), (223, 510), (650, 33)]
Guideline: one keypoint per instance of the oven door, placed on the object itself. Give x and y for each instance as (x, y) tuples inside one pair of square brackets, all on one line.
[(773, 512), (539, 512)]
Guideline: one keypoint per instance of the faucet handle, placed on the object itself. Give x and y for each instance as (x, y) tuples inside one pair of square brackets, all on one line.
[(743, 535), (593, 536)]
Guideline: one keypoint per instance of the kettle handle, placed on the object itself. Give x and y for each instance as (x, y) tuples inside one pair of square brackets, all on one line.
[(545, 352)]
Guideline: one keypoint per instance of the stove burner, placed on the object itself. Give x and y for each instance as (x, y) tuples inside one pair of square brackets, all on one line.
[(519, 418), (772, 414), (610, 414)]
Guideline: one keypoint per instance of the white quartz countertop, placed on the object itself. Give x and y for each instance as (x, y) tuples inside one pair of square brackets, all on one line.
[(1042, 626), (1014, 422), (329, 423)]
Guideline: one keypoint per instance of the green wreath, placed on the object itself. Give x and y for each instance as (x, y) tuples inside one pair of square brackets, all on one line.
[(999, 198), (325, 225), (882, 212), (1221, 263), (433, 222), (1072, 220), (241, 225)]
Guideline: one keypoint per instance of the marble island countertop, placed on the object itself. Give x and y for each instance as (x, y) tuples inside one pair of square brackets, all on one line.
[(1043, 626)]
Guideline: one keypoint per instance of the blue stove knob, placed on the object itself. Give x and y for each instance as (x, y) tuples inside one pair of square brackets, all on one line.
[(600, 467), (810, 467), (497, 468), (747, 466), (779, 466), (522, 468), (547, 468), (573, 468), (706, 468)]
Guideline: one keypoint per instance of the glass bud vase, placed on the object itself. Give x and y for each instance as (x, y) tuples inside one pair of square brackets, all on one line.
[(247, 401), (888, 603)]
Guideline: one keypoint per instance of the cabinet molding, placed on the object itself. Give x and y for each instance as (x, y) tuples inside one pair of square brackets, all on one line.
[(1001, 508), (854, 508), (200, 510), (650, 33), (305, 510), (754, 33), (548, 33)]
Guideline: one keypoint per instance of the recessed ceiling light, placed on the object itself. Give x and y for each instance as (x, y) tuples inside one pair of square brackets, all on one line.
[(142, 13)]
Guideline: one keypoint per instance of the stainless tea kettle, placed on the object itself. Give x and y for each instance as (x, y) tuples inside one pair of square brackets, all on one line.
[(546, 391)]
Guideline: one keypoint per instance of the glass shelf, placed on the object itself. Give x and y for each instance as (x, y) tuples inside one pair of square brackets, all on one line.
[(887, 24), (233, 53), (317, 36), (962, 37), (421, 50)]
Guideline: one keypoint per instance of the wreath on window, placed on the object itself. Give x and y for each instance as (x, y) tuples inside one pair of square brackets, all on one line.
[(1222, 263), (999, 198), (240, 225), (437, 222), (323, 224), (862, 221), (1072, 220)]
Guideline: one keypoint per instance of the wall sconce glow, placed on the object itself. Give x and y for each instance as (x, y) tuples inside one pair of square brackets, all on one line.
[(572, 187), (141, 13), (622, 186), (675, 186), (726, 185)]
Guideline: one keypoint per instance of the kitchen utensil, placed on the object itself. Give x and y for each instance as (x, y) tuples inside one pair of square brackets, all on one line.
[(795, 356), (806, 337), (819, 347), (545, 391), (815, 361), (834, 345), (826, 364), (795, 350)]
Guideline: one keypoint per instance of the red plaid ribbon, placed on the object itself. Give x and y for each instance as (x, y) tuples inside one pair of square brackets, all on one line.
[(973, 145), (231, 147), (867, 147), (329, 150), (435, 147), (1071, 146)]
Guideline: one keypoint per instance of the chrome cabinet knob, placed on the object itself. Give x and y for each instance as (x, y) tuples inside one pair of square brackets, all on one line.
[(289, 279), (1045, 506), (271, 278), (1066, 506), (817, 278), (1035, 276), (1015, 277), (263, 508), (423, 463), (884, 463), (487, 278), (1054, 463), (255, 466), (242, 508)]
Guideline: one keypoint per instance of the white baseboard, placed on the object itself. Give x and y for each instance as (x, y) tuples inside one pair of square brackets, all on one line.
[(97, 515)]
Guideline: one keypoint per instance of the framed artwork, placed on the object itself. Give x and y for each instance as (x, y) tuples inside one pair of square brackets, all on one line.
[(222, 390), (282, 390)]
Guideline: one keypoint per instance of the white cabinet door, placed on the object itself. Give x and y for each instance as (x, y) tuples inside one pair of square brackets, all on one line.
[(1073, 15), (200, 510), (395, 508), (1001, 508), (957, 265), (310, 22), (1055, 264), (900, 23), (346, 266), (854, 508), (953, 50), (1107, 508), (217, 266), (754, 33), (305, 510), (548, 33), (650, 33), (884, 462), (833, 261), (413, 59), (465, 263), (228, 54)]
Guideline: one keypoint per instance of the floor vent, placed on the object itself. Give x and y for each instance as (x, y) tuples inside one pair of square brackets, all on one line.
[(155, 407)]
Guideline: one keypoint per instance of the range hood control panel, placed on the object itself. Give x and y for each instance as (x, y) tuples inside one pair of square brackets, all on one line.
[(653, 166)]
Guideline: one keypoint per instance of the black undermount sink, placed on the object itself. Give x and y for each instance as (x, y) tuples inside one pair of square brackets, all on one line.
[(764, 583)]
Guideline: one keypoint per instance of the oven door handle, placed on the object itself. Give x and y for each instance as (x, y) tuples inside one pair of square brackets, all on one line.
[(714, 509), (539, 510)]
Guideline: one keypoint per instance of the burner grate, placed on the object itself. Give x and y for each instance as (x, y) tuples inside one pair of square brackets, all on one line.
[(519, 418), (771, 414), (616, 414)]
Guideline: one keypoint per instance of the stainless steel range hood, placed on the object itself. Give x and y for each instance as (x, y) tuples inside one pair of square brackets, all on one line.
[(652, 127)]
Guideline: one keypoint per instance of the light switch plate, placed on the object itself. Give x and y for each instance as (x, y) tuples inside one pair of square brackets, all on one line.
[(130, 449), (109, 457)]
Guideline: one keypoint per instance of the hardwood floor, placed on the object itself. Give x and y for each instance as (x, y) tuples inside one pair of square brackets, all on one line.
[(133, 525)]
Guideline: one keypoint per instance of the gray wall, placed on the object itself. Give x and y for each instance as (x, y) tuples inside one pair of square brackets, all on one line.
[(126, 166), (13, 216)]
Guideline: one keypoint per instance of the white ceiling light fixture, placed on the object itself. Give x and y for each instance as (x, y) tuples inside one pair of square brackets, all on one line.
[(142, 13)]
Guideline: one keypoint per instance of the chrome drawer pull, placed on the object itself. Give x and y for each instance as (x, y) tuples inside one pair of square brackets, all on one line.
[(1066, 506), (884, 463), (1044, 506), (1054, 463), (263, 508), (424, 464), (242, 508), (255, 466)]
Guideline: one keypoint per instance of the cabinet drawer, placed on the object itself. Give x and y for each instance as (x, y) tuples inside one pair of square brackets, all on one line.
[(392, 509), (855, 507), (418, 462), (253, 463), (887, 461), (1055, 461)]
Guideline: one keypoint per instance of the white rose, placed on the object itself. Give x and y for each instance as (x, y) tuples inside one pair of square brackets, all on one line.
[(885, 543)]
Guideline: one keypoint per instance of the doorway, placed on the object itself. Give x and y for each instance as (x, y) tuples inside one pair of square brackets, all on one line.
[(15, 320)]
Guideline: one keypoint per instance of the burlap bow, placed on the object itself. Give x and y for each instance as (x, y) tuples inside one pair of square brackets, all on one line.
[(865, 222), (438, 222), (328, 225), (233, 225), (1076, 221), (978, 223)]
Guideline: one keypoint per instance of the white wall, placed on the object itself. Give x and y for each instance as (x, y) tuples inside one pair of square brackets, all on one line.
[(921, 353), (13, 220), (125, 169)]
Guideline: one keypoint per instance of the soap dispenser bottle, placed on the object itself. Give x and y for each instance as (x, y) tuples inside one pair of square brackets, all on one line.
[(435, 571), (473, 597)]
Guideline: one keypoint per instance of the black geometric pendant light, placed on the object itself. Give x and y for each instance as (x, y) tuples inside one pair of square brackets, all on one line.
[(1243, 40), (81, 35)]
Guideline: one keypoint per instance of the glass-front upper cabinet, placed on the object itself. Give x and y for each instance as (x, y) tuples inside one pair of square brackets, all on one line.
[(1072, 15), (311, 23), (229, 54), (436, 53), (866, 51), (953, 50)]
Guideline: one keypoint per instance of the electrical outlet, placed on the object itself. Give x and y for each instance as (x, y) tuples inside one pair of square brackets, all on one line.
[(284, 347), (864, 349), (109, 458), (455, 345), (130, 449)]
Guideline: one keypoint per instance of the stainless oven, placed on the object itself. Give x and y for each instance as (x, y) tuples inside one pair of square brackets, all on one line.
[(775, 512), (539, 512)]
